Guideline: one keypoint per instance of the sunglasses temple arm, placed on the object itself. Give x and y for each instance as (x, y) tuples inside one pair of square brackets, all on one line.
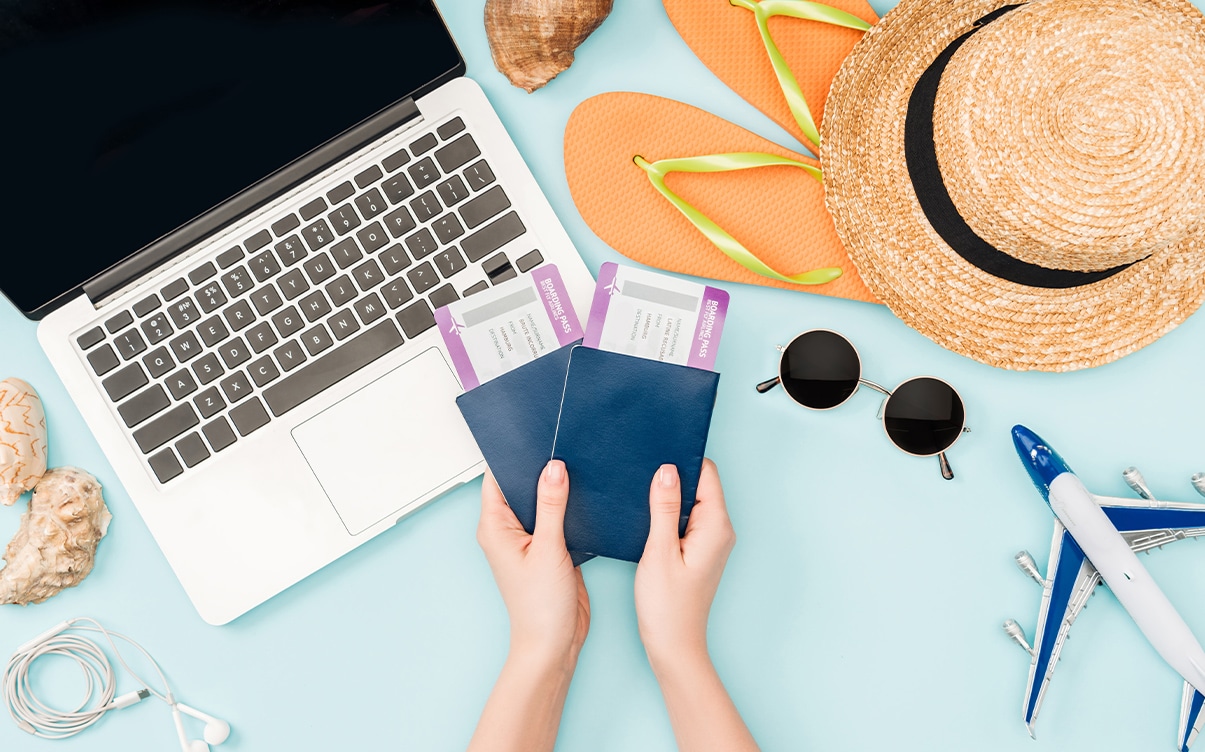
[(767, 385), (947, 472)]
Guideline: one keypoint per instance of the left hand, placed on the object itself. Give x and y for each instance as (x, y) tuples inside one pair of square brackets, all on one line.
[(544, 593)]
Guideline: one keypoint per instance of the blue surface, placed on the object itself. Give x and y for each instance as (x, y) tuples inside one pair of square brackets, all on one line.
[(861, 607)]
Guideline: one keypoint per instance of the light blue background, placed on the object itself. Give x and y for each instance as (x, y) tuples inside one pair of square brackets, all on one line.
[(862, 605)]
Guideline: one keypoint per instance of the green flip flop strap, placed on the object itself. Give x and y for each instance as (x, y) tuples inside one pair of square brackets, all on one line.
[(657, 171), (809, 11)]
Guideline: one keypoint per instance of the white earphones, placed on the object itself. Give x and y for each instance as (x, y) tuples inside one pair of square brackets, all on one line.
[(216, 730)]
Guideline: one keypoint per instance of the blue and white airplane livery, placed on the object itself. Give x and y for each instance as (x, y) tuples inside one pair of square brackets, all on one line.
[(1098, 538)]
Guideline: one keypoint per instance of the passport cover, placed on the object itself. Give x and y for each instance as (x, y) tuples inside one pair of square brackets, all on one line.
[(621, 419)]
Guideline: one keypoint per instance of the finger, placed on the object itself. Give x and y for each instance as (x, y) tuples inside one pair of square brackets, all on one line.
[(710, 508), (496, 514), (665, 509), (552, 494)]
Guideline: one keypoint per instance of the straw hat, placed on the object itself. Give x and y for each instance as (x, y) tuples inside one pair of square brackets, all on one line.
[(1025, 185)]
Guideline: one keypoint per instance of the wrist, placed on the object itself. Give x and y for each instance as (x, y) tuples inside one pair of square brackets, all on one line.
[(540, 659), (680, 657)]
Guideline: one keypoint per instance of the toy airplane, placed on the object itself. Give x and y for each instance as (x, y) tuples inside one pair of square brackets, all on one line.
[(1098, 538)]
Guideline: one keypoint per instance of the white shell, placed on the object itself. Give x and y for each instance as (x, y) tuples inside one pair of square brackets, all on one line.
[(22, 439)]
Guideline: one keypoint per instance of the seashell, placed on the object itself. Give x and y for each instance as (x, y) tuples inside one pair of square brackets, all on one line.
[(55, 546), (22, 439), (533, 40)]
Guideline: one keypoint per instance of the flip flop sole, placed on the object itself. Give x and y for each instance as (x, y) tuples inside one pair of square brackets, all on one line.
[(778, 213), (725, 38)]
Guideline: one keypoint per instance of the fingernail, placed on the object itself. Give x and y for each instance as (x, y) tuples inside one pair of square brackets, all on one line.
[(554, 472), (668, 476)]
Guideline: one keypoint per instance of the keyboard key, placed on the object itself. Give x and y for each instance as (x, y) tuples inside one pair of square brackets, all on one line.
[(210, 297), (285, 225), (423, 173), (529, 261), (332, 368), (263, 371), (318, 235), (266, 300), (249, 417), (165, 428), (158, 362), (447, 228), (264, 266), (103, 360), (236, 387), (422, 277), (369, 308), (400, 222), (181, 384), (426, 206), (261, 337), (289, 355), (371, 204), (239, 316), (314, 306), (498, 268), (227, 259), (125, 382), (146, 305), (424, 144), (416, 319), (396, 160), (175, 289), (184, 312), (341, 192), (258, 240), (219, 434), (479, 287), (341, 290), (237, 281), (450, 128), (165, 465), (368, 275), (346, 253), (369, 176), (422, 244), (479, 175), (91, 338), (202, 273), (319, 269), (207, 368), (234, 353), (293, 284), (484, 207), (394, 259), (344, 219), (119, 322), (396, 293), (457, 153), (312, 209), (192, 450), (449, 262), (209, 402), (492, 237), (453, 191), (441, 296), (372, 237), (343, 324), (186, 347), (290, 250), (397, 189), (129, 343), (157, 328), (287, 322), (317, 340), (213, 330), (142, 406)]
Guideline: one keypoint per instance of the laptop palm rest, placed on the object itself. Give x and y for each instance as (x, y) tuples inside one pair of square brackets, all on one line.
[(390, 443)]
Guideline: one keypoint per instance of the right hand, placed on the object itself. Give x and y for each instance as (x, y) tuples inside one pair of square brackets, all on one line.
[(677, 578)]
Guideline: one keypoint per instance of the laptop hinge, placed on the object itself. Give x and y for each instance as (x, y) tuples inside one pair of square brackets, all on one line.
[(110, 283)]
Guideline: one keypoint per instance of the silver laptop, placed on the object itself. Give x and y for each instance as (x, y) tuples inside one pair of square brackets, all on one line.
[(234, 221)]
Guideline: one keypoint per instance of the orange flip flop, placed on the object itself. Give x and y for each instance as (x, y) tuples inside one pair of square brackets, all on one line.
[(766, 200), (771, 51)]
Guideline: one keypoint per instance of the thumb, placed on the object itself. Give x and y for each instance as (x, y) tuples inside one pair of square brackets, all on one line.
[(552, 494), (665, 509)]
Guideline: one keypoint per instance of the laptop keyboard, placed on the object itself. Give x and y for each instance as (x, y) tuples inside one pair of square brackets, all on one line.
[(305, 301)]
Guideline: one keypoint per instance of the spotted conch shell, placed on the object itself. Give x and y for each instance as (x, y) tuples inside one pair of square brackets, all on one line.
[(22, 440), (55, 546), (533, 40)]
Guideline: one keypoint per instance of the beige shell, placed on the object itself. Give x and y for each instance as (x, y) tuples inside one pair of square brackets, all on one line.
[(533, 40), (22, 439), (55, 546)]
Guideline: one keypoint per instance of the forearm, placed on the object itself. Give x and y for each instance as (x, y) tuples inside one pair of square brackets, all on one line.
[(523, 712), (701, 712)]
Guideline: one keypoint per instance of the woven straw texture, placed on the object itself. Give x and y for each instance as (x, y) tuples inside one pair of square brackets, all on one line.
[(1079, 153)]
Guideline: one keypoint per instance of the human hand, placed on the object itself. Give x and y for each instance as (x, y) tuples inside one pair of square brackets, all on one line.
[(544, 593), (677, 578)]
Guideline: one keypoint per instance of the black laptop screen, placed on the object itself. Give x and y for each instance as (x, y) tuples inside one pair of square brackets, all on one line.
[(122, 120)]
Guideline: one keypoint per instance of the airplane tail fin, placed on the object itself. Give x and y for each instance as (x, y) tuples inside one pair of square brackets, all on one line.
[(1191, 717)]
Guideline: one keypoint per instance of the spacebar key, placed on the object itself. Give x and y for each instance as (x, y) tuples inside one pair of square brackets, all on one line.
[(332, 368)]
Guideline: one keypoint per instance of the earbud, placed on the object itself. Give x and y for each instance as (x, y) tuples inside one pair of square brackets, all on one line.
[(216, 730)]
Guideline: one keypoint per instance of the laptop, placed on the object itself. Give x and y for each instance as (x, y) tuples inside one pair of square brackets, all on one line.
[(233, 221)]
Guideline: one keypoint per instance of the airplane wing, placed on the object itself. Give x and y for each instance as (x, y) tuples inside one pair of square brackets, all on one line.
[(1148, 524), (1191, 717)]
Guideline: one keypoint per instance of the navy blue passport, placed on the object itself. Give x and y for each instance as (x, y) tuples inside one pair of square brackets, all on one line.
[(621, 419)]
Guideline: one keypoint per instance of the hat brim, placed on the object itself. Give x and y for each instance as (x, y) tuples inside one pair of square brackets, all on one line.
[(908, 266)]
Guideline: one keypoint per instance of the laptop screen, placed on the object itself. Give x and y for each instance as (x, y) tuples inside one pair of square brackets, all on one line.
[(124, 119)]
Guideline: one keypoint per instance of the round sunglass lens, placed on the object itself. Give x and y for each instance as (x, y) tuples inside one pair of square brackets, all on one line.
[(924, 416), (820, 369)]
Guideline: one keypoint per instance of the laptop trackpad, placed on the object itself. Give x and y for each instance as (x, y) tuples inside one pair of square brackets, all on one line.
[(392, 442)]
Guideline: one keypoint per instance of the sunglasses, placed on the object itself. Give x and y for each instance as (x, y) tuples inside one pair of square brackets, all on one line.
[(923, 416)]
